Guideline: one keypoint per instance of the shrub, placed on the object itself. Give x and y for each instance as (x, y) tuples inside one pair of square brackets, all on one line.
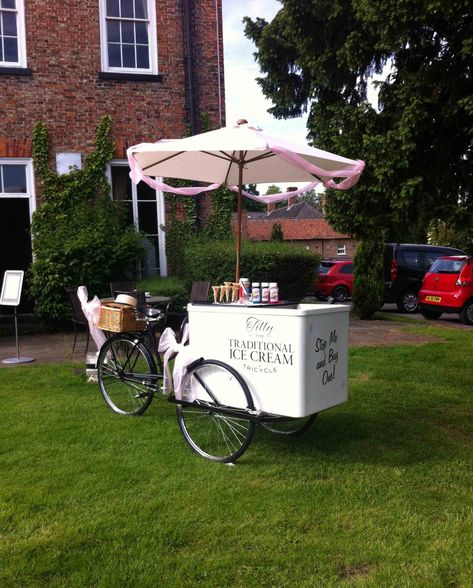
[(368, 287), (169, 286), (292, 267)]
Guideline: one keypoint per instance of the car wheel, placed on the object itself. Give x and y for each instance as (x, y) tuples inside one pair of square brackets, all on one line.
[(340, 293), (430, 314), (408, 302), (466, 313)]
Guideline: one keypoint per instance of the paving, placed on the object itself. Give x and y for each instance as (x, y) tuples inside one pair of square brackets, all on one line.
[(57, 348)]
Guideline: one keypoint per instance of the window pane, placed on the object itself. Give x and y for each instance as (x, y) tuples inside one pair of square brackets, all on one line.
[(149, 264), (129, 56), (121, 183), (113, 8), (141, 33), (8, 4), (127, 8), (147, 217), (1, 51), (142, 56), (14, 178), (128, 32), (11, 50), (145, 192), (141, 9), (113, 31), (114, 57), (9, 24)]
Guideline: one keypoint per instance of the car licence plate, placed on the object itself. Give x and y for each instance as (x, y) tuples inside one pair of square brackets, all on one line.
[(433, 298)]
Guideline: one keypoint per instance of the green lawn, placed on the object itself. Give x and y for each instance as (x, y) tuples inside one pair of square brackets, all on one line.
[(379, 493)]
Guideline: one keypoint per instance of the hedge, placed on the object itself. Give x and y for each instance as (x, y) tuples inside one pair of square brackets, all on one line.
[(291, 266)]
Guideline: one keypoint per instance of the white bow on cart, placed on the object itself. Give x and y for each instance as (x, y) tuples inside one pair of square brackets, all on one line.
[(185, 355)]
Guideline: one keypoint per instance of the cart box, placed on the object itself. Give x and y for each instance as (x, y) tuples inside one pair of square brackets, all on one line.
[(294, 360)]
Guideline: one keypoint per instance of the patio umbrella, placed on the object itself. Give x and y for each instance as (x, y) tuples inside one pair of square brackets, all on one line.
[(234, 156)]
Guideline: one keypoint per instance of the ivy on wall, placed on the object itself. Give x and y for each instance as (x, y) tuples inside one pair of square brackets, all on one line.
[(79, 235)]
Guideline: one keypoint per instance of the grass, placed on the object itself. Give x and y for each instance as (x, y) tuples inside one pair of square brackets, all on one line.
[(379, 493)]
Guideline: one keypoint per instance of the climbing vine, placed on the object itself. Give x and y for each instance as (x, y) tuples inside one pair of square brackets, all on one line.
[(79, 235)]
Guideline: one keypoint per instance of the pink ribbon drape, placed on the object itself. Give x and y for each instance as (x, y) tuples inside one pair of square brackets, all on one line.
[(91, 311), (351, 175)]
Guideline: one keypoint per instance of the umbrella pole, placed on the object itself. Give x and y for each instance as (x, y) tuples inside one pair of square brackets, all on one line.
[(239, 214)]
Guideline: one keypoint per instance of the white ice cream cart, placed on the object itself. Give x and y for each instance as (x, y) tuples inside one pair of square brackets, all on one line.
[(294, 359)]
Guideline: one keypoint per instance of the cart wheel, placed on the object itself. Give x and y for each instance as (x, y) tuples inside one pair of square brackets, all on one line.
[(216, 435), (124, 367), (288, 426)]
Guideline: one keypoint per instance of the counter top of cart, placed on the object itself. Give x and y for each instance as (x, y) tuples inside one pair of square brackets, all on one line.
[(281, 309)]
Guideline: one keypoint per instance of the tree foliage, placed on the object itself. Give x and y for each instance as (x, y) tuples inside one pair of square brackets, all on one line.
[(319, 56), (79, 236)]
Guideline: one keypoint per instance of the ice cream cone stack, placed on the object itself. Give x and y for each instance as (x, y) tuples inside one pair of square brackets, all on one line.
[(216, 290), (235, 292)]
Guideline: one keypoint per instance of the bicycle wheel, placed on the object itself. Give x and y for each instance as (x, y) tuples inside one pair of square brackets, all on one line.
[(215, 435), (124, 370), (287, 425)]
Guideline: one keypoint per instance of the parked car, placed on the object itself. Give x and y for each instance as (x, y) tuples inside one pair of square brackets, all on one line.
[(405, 265), (448, 287), (334, 279)]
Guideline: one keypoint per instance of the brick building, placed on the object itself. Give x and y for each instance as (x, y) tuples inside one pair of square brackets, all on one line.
[(153, 66), (302, 225)]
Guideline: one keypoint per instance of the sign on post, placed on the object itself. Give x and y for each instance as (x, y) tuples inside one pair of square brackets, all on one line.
[(11, 289), (11, 295)]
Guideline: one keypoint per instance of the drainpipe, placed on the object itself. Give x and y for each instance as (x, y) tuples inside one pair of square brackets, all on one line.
[(190, 84), (219, 66), (190, 65)]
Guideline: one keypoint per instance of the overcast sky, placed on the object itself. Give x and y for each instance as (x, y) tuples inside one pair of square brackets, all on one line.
[(243, 95)]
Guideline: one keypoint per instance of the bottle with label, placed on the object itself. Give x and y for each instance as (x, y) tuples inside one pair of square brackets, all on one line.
[(245, 294), (265, 292), (273, 293), (255, 293)]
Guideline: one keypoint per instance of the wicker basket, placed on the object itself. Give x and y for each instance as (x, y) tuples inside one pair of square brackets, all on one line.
[(119, 318)]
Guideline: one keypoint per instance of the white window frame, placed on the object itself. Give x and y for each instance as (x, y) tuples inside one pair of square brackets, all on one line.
[(160, 212), (30, 186), (152, 38), (341, 249), (20, 26)]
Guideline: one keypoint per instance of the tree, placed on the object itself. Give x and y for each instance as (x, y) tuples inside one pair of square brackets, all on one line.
[(277, 233), (319, 56), (312, 198)]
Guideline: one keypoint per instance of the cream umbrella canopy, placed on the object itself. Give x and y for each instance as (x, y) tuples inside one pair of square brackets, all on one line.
[(238, 155)]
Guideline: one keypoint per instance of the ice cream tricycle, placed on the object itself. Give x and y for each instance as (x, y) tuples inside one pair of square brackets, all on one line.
[(244, 365)]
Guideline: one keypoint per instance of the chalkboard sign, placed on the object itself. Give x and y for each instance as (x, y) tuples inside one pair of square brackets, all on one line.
[(11, 289)]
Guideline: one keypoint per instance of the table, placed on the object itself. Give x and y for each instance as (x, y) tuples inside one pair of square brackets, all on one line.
[(157, 300)]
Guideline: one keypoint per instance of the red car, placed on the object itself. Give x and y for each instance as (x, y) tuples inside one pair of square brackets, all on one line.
[(448, 287), (334, 279)]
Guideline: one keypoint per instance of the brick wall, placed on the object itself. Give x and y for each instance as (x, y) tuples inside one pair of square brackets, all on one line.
[(329, 247), (65, 92)]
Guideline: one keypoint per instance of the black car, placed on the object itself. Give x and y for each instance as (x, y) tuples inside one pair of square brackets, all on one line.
[(405, 265)]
